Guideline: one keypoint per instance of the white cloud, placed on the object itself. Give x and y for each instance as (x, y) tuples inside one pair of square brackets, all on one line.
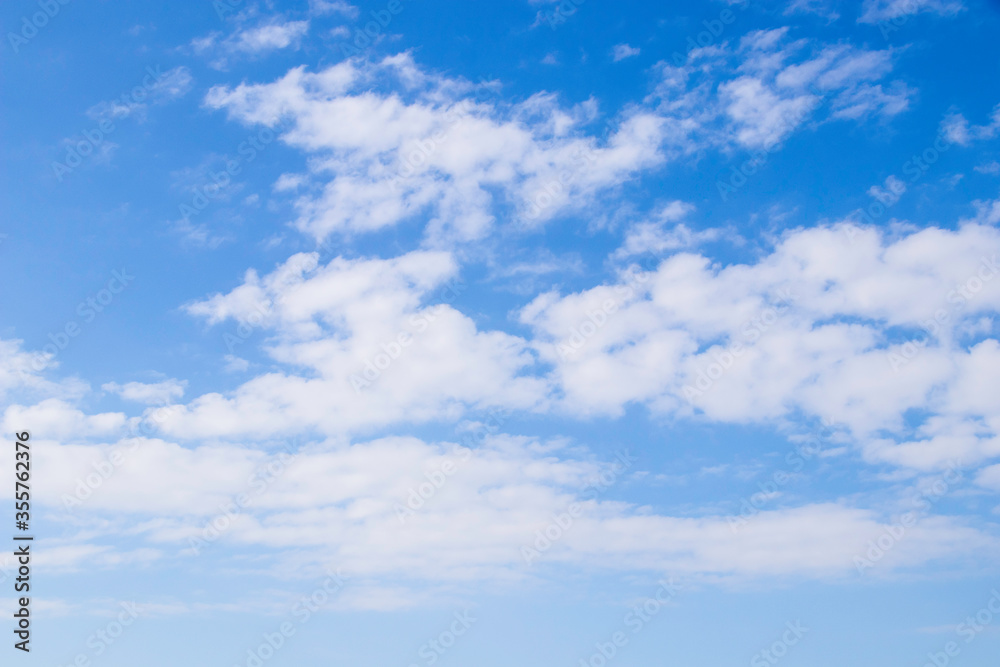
[(23, 373), (157, 88), (824, 8), (288, 182), (990, 168), (653, 236), (956, 129), (815, 321), (173, 84), (987, 212), (354, 506), (875, 11), (867, 99), (341, 325), (274, 34), (623, 51), (440, 152), (825, 323), (825, 355), (359, 345), (327, 7), (236, 364), (58, 418), (269, 37), (890, 194), (762, 118), (425, 146), (760, 93), (150, 393)]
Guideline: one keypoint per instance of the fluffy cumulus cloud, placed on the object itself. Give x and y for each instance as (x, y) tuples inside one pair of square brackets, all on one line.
[(62, 420), (837, 322), (368, 342), (421, 146), (435, 148)]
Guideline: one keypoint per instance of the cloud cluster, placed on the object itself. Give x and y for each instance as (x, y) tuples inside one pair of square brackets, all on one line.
[(391, 142), (842, 322), (779, 84), (371, 342), (463, 529), (434, 148), (839, 322)]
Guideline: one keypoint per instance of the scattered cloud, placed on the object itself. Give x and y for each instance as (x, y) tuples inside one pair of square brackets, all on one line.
[(990, 168), (957, 130), (156, 88), (875, 11), (157, 393), (623, 51), (826, 9), (337, 7), (890, 193), (274, 34)]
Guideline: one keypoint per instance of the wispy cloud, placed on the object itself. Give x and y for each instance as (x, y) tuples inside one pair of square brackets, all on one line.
[(274, 34), (623, 51)]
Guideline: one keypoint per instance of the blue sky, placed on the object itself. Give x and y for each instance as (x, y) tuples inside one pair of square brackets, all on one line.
[(509, 333)]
